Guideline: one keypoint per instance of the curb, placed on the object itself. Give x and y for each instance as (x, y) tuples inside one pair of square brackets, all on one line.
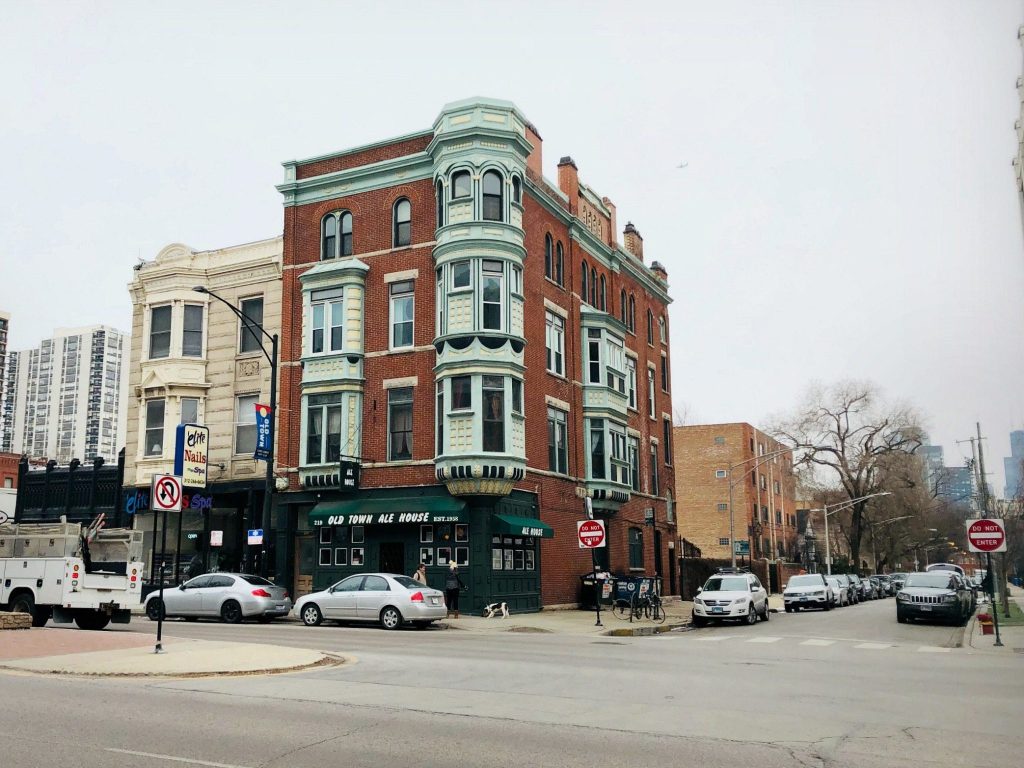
[(645, 631)]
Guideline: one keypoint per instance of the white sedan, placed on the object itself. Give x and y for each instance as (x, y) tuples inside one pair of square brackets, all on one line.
[(388, 598)]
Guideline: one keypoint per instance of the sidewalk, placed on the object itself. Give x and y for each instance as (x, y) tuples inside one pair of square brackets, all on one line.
[(54, 650), (1012, 636)]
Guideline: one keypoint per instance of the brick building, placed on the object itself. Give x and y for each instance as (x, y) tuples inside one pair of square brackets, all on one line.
[(476, 342), (9, 470), (764, 490)]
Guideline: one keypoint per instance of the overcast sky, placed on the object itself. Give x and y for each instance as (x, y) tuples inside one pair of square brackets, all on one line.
[(848, 208)]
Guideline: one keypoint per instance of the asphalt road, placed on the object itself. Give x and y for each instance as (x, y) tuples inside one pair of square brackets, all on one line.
[(846, 688)]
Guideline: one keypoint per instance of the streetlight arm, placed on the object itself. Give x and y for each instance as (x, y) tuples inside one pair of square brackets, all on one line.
[(764, 459), (249, 322)]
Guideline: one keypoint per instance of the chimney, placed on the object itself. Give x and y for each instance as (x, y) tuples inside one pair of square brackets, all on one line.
[(615, 227), (634, 243), (569, 182), (534, 162), (659, 272)]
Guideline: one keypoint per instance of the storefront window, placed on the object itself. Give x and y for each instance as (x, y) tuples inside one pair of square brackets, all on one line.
[(510, 553)]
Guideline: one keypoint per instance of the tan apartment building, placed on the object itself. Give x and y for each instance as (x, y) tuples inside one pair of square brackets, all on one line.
[(193, 361), (710, 458)]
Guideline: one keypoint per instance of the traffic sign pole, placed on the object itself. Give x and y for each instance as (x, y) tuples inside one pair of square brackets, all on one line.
[(164, 496), (992, 597)]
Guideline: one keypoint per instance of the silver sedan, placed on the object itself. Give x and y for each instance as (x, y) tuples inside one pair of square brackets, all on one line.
[(229, 596), (389, 598)]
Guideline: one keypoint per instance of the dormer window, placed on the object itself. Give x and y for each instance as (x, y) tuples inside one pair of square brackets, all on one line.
[(493, 198), (402, 223)]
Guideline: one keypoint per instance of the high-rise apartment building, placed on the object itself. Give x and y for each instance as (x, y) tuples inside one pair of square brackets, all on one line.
[(6, 408), (68, 395), (1012, 465)]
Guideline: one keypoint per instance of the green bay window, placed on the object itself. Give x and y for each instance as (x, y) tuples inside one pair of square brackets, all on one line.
[(619, 457)]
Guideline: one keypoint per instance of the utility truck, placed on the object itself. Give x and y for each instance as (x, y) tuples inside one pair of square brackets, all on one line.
[(71, 572)]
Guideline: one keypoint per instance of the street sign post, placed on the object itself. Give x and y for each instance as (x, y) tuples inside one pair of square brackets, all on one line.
[(986, 535), (164, 497), (255, 536), (741, 546), (190, 454)]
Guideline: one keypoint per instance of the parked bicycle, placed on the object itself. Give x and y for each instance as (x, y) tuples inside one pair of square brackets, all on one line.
[(642, 604)]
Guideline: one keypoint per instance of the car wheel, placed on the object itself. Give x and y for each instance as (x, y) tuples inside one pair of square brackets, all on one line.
[(900, 617), (92, 620), (231, 612), (698, 621), (155, 609), (752, 615), (311, 615), (789, 609), (767, 612), (390, 618), (828, 605)]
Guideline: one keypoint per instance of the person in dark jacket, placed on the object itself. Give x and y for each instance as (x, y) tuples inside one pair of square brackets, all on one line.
[(195, 567), (452, 585)]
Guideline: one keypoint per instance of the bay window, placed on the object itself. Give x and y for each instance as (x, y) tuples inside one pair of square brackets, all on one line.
[(192, 331), (327, 321), (323, 428), (154, 438), (160, 332), (597, 453), (492, 294), (619, 457), (493, 390)]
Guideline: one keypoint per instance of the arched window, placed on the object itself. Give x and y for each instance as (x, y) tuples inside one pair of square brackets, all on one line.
[(548, 257), (403, 223), (650, 327), (329, 237), (440, 204), (559, 265), (461, 185), (585, 272), (517, 190), (622, 306), (663, 330), (493, 202), (632, 314), (345, 244), (593, 287), (603, 296)]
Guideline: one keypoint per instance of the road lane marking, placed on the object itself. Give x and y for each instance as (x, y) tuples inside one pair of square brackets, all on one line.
[(764, 639), (172, 758), (715, 638), (819, 643), (932, 649), (873, 646)]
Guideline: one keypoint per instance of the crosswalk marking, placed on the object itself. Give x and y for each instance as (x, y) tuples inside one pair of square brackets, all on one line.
[(873, 646), (932, 649), (716, 638), (764, 639), (818, 643)]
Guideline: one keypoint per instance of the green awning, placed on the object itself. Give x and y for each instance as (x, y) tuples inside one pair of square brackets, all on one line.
[(418, 509), (522, 526)]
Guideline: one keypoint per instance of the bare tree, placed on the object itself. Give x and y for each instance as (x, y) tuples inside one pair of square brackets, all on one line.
[(846, 433)]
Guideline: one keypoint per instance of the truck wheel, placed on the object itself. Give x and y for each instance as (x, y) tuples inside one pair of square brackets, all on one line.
[(40, 616), (91, 620), (23, 602)]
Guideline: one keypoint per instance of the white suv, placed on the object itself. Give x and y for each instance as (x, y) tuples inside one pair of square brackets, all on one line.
[(730, 595), (808, 590)]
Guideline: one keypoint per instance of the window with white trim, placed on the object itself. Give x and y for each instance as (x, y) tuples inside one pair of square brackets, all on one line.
[(245, 424), (631, 381), (654, 469), (323, 428), (403, 305), (192, 331), (593, 356), (555, 343), (154, 437), (615, 364), (634, 462), (493, 197), (597, 451), (160, 332), (327, 321), (558, 443), (650, 392), (492, 294), (619, 463), (189, 410), (400, 424), (402, 223), (493, 394), (250, 334)]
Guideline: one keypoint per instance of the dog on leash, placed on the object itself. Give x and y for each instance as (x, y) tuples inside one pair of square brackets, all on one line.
[(493, 609)]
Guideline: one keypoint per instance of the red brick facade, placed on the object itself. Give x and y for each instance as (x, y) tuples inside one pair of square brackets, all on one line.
[(558, 502), (9, 470)]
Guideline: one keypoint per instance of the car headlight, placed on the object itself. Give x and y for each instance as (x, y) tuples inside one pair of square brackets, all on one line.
[(819, 593), (902, 596), (949, 598), (698, 601), (741, 601)]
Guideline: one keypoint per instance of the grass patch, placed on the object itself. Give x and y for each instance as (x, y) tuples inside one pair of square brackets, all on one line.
[(1016, 614)]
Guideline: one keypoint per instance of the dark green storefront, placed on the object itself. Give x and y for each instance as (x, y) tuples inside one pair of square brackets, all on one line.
[(495, 544)]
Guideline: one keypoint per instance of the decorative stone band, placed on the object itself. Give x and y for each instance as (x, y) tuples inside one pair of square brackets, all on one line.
[(602, 494), (485, 479)]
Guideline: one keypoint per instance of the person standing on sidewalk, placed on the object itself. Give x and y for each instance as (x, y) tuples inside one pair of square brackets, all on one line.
[(452, 585), (421, 574)]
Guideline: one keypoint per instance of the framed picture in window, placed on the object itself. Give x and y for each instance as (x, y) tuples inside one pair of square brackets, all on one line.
[(325, 556), (517, 561), (495, 539), (325, 534), (528, 541), (518, 542), (427, 555), (462, 555), (509, 565), (357, 535), (496, 559), (444, 555), (357, 556), (529, 559), (426, 534), (462, 532), (341, 556)]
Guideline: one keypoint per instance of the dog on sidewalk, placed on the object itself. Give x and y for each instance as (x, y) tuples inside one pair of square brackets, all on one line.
[(493, 609)]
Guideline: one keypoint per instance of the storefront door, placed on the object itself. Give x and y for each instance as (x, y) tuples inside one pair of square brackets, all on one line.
[(304, 562), (392, 557)]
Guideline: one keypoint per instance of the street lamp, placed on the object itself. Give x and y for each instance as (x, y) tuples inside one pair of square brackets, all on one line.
[(839, 508), (272, 359), (732, 484)]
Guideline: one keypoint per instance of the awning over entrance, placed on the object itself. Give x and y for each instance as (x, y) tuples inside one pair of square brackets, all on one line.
[(425, 509), (522, 526)]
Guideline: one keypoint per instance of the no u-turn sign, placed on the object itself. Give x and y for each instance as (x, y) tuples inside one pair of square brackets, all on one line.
[(165, 493)]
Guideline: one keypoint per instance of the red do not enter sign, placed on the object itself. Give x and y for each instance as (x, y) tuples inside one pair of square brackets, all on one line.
[(986, 535), (590, 533)]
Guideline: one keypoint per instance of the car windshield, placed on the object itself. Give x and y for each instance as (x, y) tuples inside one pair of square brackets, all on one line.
[(726, 584), (929, 580), (805, 581), (833, 582), (405, 581), (258, 580)]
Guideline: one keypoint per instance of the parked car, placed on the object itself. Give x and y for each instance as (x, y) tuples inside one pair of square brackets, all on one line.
[(809, 590), (230, 596), (860, 586), (875, 587), (954, 568), (730, 595), (840, 591), (388, 598), (897, 581), (934, 595), (887, 586), (852, 593)]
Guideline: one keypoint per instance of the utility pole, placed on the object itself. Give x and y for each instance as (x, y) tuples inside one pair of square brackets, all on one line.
[(985, 512)]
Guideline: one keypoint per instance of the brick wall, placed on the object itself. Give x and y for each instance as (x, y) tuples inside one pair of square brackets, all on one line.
[(9, 469), (345, 161)]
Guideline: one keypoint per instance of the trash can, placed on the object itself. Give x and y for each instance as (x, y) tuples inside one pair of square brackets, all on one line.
[(589, 591), (985, 620)]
